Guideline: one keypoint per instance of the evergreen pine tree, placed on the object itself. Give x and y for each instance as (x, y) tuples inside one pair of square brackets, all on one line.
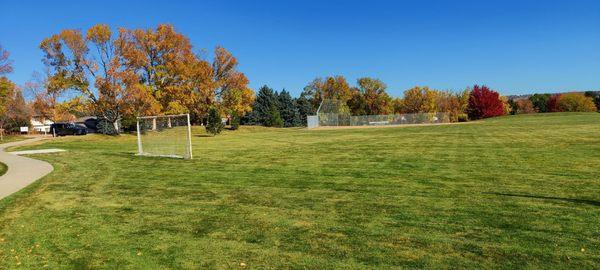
[(286, 108), (305, 105), (274, 118), (214, 125), (262, 106), (297, 119)]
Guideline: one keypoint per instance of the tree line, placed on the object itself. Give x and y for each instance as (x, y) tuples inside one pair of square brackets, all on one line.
[(119, 75), (369, 97), (564, 102)]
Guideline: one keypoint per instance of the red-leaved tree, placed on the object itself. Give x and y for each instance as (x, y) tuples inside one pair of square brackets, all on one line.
[(484, 103), (552, 104)]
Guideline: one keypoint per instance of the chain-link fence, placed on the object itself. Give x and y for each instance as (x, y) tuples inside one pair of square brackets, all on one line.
[(334, 113), (332, 119)]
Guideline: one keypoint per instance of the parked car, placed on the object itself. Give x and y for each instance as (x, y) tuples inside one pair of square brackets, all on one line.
[(64, 129), (89, 122)]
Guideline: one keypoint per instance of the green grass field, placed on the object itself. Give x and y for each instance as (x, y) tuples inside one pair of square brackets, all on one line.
[(511, 192), (3, 169)]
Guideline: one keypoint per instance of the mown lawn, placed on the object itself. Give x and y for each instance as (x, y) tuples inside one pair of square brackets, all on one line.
[(511, 192)]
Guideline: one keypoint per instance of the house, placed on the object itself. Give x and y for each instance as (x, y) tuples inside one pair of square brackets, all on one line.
[(40, 125)]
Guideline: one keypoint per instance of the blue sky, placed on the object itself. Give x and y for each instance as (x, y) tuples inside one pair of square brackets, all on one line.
[(513, 46)]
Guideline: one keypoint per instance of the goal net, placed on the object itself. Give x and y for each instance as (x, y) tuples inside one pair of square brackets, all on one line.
[(164, 136)]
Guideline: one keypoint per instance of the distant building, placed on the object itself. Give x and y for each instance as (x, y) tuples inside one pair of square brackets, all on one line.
[(89, 122), (40, 125)]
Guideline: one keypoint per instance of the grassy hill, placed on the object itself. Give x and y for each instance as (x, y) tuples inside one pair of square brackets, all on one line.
[(511, 192)]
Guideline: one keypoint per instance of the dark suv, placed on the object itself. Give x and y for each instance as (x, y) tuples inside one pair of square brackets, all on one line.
[(64, 129)]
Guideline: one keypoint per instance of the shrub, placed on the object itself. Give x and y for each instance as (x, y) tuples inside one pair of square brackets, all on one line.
[(524, 106), (484, 103), (214, 125), (463, 117), (576, 102)]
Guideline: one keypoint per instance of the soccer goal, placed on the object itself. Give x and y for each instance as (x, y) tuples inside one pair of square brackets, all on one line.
[(165, 136)]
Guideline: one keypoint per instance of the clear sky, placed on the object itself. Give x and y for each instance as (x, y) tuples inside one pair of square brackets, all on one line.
[(513, 46)]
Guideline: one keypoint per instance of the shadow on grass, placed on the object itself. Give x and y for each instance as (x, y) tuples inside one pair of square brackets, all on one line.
[(203, 135), (582, 201)]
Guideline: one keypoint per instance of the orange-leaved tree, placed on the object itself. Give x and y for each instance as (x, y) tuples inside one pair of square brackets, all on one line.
[(90, 65), (5, 63), (377, 101), (49, 105), (420, 100), (167, 68), (334, 88), (230, 85)]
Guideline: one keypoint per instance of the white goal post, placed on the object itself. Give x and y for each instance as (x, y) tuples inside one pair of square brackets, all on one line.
[(165, 136)]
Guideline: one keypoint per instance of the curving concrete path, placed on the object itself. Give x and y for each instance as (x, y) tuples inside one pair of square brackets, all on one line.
[(22, 171)]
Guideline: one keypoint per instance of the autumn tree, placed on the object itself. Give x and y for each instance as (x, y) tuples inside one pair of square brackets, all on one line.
[(50, 104), (524, 106), (7, 90), (398, 105), (377, 101), (90, 66), (420, 99), (229, 82), (5, 62), (16, 113), (237, 101), (167, 69), (178, 79), (484, 103), (357, 102), (6, 86), (449, 103), (506, 106), (335, 88), (552, 104), (595, 95), (576, 102)]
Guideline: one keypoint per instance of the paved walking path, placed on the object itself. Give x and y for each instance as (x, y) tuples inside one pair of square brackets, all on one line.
[(22, 171)]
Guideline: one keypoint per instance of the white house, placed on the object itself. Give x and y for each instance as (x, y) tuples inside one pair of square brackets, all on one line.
[(41, 126)]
